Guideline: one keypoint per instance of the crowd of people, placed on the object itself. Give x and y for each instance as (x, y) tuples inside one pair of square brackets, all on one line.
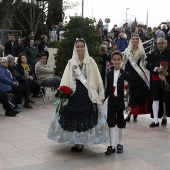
[(82, 118), (24, 71), (127, 70)]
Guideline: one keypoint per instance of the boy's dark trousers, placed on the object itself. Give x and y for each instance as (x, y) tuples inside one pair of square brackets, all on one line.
[(115, 113)]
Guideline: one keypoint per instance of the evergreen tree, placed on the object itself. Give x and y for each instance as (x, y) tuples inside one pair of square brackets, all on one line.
[(78, 27)]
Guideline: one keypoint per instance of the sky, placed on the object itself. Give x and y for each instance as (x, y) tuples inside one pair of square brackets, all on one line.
[(116, 10)]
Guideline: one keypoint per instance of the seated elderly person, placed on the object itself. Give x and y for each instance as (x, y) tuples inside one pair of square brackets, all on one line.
[(8, 106), (22, 80), (8, 83), (45, 74)]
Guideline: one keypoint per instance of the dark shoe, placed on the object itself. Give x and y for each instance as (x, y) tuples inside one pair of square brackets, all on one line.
[(77, 148), (9, 113), (119, 148), (135, 117), (15, 111), (164, 122), (128, 119), (80, 148), (30, 101), (110, 150), (74, 148), (26, 105), (153, 124)]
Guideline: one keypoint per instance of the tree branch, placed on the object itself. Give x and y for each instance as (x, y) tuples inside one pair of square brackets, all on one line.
[(16, 19)]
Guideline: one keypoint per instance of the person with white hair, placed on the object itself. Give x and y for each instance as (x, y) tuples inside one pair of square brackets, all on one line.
[(160, 81), (8, 83)]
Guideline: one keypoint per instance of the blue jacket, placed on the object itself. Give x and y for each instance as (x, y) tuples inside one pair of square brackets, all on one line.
[(6, 81), (122, 44)]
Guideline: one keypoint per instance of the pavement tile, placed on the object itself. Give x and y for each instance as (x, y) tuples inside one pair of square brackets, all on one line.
[(25, 146)]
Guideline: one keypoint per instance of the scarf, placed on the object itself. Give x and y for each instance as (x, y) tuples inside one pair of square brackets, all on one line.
[(26, 67)]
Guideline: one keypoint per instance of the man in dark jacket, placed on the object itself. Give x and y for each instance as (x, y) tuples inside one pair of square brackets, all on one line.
[(26, 40), (9, 44), (43, 46), (160, 80)]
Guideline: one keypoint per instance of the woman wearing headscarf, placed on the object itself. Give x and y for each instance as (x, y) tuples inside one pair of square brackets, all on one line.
[(134, 63), (82, 121)]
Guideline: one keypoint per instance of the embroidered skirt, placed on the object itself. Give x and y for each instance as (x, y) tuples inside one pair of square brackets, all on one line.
[(81, 121), (139, 92)]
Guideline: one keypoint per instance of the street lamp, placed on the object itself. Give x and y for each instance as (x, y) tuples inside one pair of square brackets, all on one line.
[(82, 9), (126, 14)]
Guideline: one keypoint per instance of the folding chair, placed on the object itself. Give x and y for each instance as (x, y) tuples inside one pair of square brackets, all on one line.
[(43, 92)]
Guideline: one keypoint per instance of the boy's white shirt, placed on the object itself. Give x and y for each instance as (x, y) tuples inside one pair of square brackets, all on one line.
[(116, 76)]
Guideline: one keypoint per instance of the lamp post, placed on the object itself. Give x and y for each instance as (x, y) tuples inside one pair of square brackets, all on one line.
[(126, 14), (82, 9)]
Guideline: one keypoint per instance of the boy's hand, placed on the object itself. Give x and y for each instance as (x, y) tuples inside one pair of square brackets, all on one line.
[(128, 109), (165, 74)]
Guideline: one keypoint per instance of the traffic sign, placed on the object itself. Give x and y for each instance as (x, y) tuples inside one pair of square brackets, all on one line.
[(107, 20)]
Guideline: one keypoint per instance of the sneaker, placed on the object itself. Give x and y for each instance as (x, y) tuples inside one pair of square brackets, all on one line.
[(153, 124), (164, 122), (119, 148), (110, 150)]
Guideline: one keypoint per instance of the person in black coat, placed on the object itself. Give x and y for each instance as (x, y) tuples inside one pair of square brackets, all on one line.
[(43, 46), (25, 70), (26, 40), (9, 44), (160, 94), (103, 62), (17, 48), (117, 81)]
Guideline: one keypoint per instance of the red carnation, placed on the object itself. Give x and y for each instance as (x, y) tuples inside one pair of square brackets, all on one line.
[(164, 64), (126, 86), (65, 89)]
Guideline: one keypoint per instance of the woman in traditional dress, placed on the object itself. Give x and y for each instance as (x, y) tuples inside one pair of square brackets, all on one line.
[(82, 120), (134, 63)]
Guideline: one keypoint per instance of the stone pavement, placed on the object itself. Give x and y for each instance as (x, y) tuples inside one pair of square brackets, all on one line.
[(24, 145)]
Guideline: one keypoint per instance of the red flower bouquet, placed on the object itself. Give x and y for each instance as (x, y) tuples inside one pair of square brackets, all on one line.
[(126, 91), (64, 92), (164, 65)]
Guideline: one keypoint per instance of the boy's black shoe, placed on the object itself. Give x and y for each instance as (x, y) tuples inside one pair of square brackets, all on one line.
[(135, 117), (153, 124), (164, 122), (110, 150), (128, 119), (119, 148)]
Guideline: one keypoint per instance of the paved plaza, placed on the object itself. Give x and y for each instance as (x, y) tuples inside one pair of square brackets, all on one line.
[(24, 145)]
